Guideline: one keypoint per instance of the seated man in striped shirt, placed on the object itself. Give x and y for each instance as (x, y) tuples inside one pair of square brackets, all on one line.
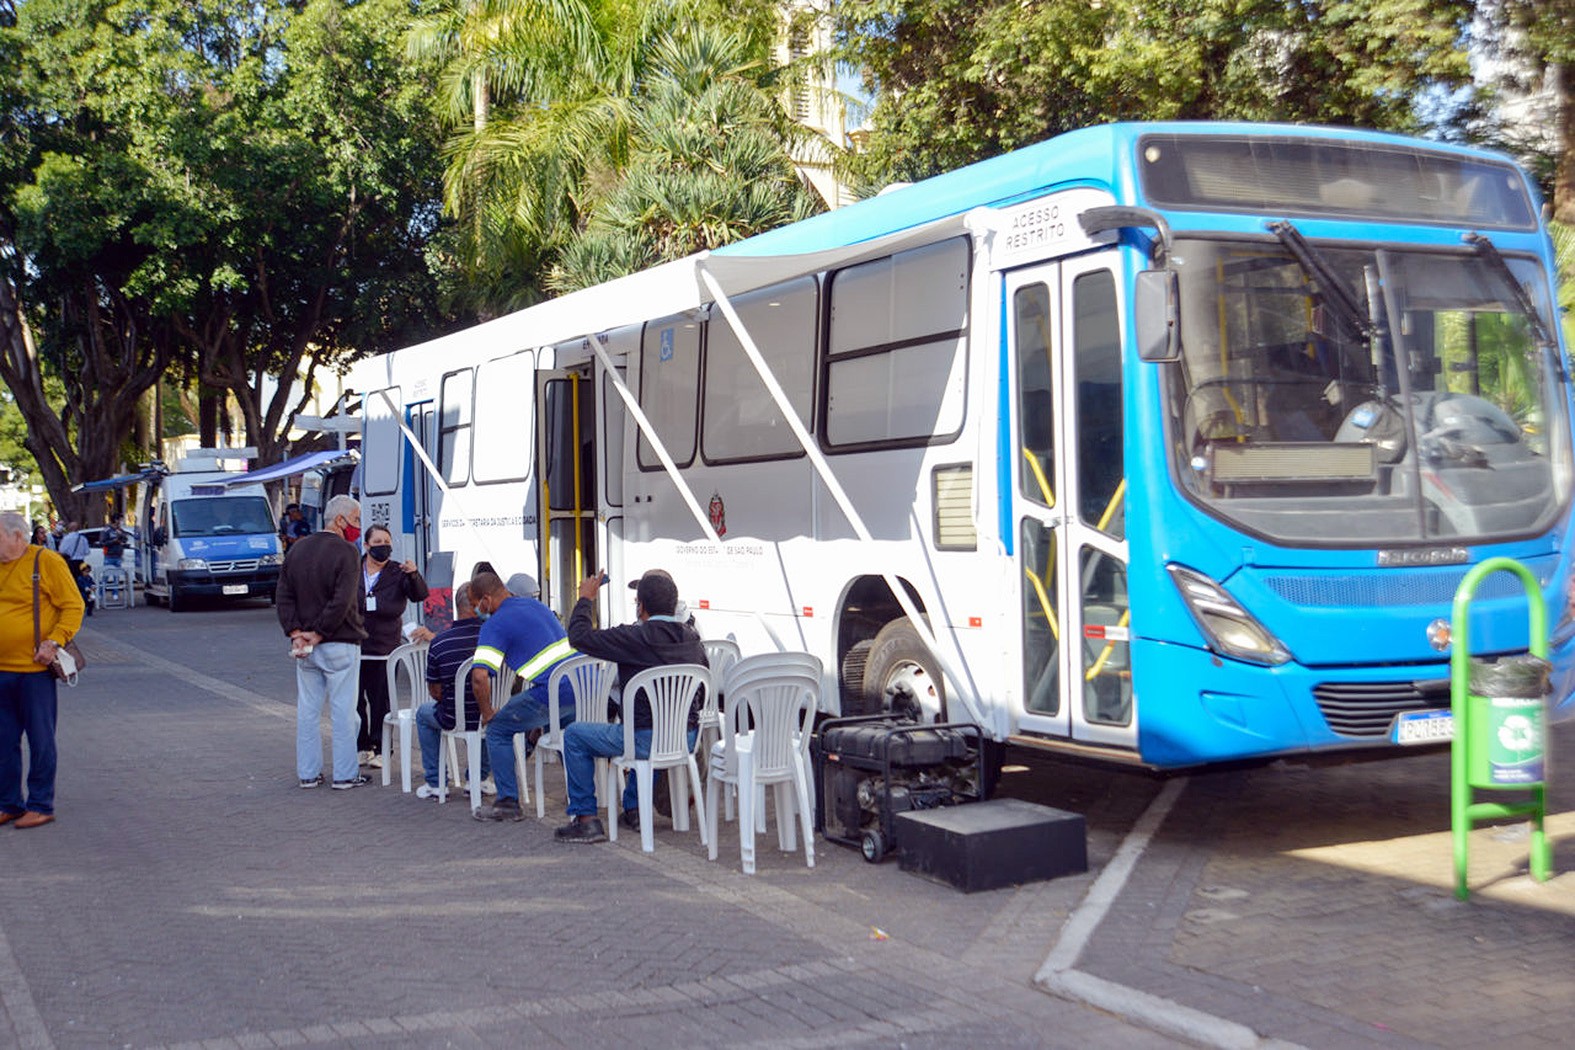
[(445, 656), (521, 633)]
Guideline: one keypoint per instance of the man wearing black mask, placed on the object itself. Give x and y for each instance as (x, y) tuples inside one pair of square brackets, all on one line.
[(386, 588)]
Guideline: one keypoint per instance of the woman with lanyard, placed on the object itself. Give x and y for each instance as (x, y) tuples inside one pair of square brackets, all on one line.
[(386, 588)]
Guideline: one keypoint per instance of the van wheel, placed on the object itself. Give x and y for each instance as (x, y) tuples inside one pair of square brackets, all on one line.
[(150, 598), (174, 600), (899, 662)]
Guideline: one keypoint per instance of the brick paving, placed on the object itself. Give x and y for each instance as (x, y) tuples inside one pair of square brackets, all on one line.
[(192, 896)]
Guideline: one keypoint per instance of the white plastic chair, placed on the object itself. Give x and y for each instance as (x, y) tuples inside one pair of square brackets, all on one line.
[(671, 691), (768, 665), (592, 682), (410, 660), (721, 654), (780, 707), (502, 686)]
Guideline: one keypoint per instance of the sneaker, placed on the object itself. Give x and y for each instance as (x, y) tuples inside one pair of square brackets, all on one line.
[(428, 791), (311, 782), (488, 787), (581, 831), (364, 757), (355, 781), (502, 809), (630, 818), (375, 762)]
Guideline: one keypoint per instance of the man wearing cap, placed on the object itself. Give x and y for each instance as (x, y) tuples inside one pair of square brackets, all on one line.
[(658, 638), (522, 633)]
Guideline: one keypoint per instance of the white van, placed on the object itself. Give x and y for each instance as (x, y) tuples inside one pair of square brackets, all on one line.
[(200, 533)]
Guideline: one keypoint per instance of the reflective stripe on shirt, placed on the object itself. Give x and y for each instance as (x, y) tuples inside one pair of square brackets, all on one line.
[(545, 659), (489, 657)]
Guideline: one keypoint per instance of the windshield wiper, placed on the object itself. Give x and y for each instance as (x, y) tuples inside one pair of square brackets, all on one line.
[(1334, 289), (1489, 252)]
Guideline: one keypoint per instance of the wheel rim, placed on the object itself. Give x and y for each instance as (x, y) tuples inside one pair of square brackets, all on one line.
[(920, 685)]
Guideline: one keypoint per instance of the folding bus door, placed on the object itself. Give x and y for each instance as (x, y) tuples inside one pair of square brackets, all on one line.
[(566, 473), (1070, 496)]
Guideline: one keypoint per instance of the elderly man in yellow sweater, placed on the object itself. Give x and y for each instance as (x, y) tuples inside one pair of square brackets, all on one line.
[(27, 687)]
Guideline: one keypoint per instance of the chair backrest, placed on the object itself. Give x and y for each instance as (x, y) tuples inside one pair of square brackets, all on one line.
[(721, 654), (410, 660), (770, 663), (461, 680), (670, 690), (591, 681), (502, 686), (779, 711)]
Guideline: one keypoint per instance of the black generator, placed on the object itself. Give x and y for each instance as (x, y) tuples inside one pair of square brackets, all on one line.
[(870, 768)]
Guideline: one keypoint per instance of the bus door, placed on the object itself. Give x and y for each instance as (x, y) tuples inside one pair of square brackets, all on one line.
[(566, 472), (423, 498), (1064, 333)]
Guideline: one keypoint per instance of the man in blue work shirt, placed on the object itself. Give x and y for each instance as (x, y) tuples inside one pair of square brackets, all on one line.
[(521, 633)]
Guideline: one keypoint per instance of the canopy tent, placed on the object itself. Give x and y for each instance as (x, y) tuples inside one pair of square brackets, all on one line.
[(288, 469), (120, 481)]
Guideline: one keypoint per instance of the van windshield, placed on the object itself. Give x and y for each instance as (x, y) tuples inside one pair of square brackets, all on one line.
[(221, 516)]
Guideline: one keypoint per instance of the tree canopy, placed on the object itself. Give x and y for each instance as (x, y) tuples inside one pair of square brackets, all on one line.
[(226, 190)]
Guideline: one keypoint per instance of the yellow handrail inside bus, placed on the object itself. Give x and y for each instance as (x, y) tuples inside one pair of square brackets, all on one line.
[(1110, 508), (1039, 476), (1099, 664), (579, 545), (1044, 603)]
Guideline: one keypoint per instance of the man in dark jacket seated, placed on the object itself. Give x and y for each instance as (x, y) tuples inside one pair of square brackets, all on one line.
[(656, 640)]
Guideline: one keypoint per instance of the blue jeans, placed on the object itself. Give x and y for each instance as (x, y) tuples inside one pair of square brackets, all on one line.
[(523, 713), (430, 732), (27, 708), (329, 674), (583, 744)]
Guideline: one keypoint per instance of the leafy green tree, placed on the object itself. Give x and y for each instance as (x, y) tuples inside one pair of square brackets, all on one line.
[(241, 190), (959, 80), (543, 118), (1534, 41), (709, 163)]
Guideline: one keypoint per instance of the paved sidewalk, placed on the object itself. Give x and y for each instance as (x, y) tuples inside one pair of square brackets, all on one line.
[(191, 895), (1316, 906)]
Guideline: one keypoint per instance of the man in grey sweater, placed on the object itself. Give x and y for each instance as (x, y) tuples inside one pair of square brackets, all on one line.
[(318, 607)]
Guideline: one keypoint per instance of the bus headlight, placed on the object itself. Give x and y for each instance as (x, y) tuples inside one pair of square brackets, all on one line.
[(192, 564), (270, 559), (1229, 628)]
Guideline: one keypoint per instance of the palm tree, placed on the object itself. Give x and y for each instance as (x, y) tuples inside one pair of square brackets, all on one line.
[(551, 103)]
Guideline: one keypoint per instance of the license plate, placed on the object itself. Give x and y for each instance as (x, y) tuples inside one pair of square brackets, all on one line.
[(1424, 727), (235, 588)]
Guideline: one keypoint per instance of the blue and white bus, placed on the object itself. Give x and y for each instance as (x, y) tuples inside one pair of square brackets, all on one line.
[(1164, 444)]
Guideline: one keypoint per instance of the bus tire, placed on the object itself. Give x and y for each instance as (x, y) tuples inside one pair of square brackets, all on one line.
[(173, 599), (853, 699), (899, 659)]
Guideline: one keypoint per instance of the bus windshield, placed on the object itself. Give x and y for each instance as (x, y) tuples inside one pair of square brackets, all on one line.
[(222, 516), (1345, 397)]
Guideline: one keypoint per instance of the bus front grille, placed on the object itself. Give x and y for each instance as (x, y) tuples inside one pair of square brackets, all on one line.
[(1365, 590), (1367, 709)]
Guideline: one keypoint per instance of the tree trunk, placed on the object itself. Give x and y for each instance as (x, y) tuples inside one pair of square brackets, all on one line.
[(1564, 174)]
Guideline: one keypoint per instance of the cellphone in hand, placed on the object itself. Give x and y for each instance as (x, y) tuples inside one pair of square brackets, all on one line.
[(604, 578)]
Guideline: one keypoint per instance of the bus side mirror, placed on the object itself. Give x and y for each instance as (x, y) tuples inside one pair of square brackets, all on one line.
[(1158, 316)]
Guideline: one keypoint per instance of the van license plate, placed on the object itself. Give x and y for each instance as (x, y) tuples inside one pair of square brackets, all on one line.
[(235, 588), (1424, 727)]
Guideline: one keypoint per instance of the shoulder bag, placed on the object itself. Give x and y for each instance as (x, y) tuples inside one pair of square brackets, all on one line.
[(65, 670)]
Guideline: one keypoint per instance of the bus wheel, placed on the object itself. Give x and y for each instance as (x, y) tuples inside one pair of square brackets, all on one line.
[(173, 599), (900, 662), (854, 701)]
